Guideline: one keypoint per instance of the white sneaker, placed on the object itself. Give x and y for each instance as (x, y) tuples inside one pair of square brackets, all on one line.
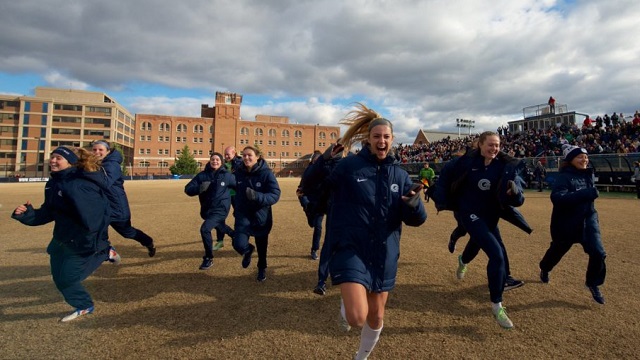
[(344, 324), (114, 257), (76, 314), (502, 318)]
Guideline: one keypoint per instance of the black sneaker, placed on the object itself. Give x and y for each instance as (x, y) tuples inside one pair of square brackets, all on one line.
[(151, 250), (512, 283), (597, 295), (544, 276), (206, 263), (246, 257), (314, 254), (320, 289), (262, 275)]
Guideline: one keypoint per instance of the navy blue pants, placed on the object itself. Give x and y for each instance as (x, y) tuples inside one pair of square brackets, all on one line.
[(472, 249), (220, 232), (127, 231), (69, 269), (487, 237), (596, 268), (241, 245), (317, 231), (205, 232)]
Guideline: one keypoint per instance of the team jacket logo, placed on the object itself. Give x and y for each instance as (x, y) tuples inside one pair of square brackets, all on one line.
[(360, 180), (258, 184), (484, 184), (473, 217), (222, 183), (395, 188)]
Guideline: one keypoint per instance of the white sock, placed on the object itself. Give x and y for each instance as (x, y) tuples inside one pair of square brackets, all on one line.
[(343, 312), (368, 340), (496, 307)]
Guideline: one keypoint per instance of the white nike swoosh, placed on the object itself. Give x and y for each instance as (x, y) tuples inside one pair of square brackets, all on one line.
[(361, 180)]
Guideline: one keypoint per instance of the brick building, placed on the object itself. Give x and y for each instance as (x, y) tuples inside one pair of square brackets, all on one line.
[(32, 126), (285, 146)]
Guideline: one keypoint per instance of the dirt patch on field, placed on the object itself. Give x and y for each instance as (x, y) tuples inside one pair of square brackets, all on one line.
[(164, 307)]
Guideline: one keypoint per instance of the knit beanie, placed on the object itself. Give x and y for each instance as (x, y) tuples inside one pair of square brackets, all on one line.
[(218, 155), (570, 152), (66, 153)]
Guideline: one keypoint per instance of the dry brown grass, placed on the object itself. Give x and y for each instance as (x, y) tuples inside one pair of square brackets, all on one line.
[(164, 307)]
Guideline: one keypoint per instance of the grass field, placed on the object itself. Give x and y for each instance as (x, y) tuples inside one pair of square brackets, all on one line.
[(165, 308)]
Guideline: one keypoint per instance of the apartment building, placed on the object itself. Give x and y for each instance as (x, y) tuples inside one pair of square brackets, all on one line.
[(32, 126)]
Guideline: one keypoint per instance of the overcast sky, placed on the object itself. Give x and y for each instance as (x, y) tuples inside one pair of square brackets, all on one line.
[(422, 64)]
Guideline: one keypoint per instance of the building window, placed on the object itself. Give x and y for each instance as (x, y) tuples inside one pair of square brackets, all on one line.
[(272, 132), (322, 135), (145, 126), (142, 137), (160, 151), (258, 132), (198, 129), (181, 128), (161, 138), (285, 133), (297, 134), (141, 151), (244, 131), (143, 163), (164, 127), (334, 136)]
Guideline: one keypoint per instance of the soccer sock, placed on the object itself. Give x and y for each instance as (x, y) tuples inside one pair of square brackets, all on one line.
[(368, 340), (496, 307), (343, 312)]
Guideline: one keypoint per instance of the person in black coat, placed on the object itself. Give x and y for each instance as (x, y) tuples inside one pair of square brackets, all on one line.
[(256, 191), (478, 186), (80, 211), (371, 197), (111, 161), (212, 187), (574, 219)]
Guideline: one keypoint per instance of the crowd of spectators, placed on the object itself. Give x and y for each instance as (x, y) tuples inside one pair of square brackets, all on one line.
[(604, 135)]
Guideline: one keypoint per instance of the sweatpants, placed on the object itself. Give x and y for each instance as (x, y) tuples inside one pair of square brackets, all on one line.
[(127, 231), (205, 232), (69, 269)]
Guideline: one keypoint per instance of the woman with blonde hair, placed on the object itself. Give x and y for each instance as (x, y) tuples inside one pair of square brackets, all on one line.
[(371, 196), (74, 201)]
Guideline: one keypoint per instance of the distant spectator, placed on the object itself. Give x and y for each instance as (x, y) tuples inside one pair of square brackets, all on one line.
[(552, 105)]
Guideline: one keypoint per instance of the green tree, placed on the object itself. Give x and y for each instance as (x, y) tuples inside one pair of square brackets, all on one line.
[(125, 161), (185, 164)]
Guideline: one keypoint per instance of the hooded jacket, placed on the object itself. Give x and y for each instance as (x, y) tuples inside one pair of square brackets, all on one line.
[(254, 217), (215, 202), (365, 219), (79, 209), (574, 215), (114, 187)]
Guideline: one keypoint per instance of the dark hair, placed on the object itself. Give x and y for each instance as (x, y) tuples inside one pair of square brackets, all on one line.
[(484, 136)]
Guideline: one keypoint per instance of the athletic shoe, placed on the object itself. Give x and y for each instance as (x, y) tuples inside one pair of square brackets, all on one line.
[(597, 295), (206, 263), (544, 276), (320, 289), (218, 245), (76, 314), (344, 324), (114, 257), (512, 283), (262, 275), (314, 254), (502, 318), (246, 257), (151, 250), (462, 268)]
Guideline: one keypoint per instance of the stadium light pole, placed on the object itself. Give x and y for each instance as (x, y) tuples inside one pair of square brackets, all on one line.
[(463, 123)]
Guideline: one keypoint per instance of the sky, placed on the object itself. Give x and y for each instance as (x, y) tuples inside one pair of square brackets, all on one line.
[(421, 64)]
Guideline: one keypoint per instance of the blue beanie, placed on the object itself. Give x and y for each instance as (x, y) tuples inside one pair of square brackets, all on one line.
[(66, 153)]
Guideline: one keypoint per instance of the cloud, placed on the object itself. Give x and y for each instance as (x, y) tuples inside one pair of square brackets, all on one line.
[(421, 63)]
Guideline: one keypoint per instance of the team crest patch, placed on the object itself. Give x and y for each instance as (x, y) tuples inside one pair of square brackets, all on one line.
[(222, 183), (394, 188), (484, 184), (258, 184)]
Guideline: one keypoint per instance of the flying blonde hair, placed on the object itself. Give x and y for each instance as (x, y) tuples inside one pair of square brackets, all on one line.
[(360, 122)]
